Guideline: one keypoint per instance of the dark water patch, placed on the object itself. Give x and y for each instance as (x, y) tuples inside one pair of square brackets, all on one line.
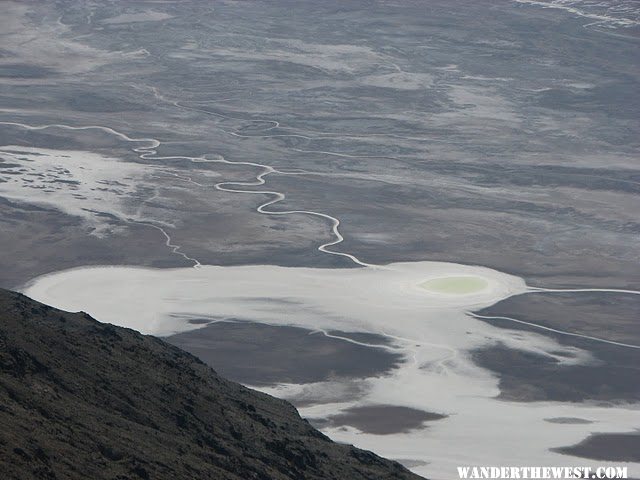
[(199, 321), (611, 376), (528, 377), (380, 419), (568, 420), (608, 315), (610, 447), (258, 354)]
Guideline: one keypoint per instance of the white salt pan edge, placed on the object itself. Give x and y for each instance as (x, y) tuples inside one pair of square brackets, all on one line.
[(147, 300), (432, 330)]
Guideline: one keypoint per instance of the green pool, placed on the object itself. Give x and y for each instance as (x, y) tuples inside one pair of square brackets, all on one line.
[(455, 285)]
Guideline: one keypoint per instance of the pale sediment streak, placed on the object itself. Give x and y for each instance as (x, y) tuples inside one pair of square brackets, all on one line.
[(580, 9), (581, 290)]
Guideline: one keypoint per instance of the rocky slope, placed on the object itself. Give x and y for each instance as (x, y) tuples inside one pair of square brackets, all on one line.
[(80, 399)]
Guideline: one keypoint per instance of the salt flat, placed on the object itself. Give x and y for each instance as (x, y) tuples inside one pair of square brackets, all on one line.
[(430, 328)]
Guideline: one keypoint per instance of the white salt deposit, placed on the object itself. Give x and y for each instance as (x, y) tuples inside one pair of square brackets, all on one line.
[(431, 328)]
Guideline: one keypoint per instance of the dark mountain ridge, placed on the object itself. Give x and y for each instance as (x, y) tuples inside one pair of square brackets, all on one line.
[(80, 399)]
